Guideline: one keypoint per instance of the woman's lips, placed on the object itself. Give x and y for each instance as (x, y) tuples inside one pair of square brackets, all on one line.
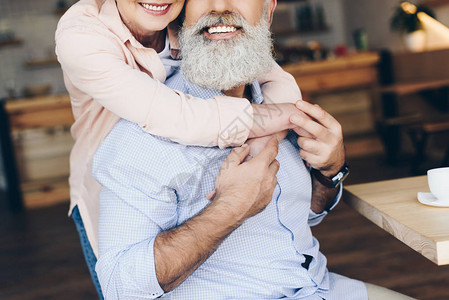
[(155, 9)]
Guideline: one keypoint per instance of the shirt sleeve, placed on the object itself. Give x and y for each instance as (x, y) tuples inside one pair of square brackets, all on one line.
[(126, 266), (135, 207), (315, 219), (95, 63)]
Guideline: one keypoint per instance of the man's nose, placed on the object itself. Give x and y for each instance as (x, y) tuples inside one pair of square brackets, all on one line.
[(221, 6)]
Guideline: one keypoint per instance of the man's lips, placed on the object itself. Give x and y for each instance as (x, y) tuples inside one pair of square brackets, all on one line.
[(157, 8), (221, 31)]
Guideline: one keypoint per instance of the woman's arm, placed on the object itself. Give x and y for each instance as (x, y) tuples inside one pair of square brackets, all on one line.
[(99, 66), (96, 64)]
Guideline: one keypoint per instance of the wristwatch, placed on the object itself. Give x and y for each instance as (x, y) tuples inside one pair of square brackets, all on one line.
[(334, 181)]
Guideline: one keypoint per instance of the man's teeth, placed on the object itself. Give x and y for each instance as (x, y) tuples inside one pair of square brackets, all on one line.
[(154, 7), (221, 29)]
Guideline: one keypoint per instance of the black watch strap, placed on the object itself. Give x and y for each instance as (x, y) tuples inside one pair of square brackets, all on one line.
[(333, 181)]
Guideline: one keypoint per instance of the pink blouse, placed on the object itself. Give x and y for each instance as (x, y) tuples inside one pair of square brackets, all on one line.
[(110, 75)]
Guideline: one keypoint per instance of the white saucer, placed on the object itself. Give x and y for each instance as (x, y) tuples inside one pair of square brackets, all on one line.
[(430, 199)]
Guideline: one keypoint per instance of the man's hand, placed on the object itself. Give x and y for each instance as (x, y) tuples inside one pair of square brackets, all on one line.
[(246, 188), (324, 150)]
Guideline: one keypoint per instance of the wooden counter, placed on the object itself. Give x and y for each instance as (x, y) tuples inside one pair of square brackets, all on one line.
[(36, 134), (353, 71), (40, 112)]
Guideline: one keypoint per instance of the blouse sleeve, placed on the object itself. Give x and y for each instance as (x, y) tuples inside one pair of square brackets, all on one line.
[(279, 86)]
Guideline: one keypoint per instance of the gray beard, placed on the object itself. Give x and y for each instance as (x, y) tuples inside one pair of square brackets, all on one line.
[(226, 64)]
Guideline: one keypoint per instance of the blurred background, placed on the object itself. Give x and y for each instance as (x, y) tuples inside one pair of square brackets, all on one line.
[(381, 67)]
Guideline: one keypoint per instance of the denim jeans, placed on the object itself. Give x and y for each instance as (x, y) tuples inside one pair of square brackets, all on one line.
[(89, 255)]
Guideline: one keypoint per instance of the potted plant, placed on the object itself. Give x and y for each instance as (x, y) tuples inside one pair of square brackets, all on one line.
[(406, 21)]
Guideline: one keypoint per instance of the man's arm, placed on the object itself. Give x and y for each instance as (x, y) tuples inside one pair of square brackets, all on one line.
[(142, 253), (180, 251), (322, 197)]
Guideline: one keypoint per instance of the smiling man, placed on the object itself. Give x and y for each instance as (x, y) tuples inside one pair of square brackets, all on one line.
[(224, 50), (159, 236)]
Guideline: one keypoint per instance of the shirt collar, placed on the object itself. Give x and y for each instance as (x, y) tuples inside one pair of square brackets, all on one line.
[(110, 16), (256, 93)]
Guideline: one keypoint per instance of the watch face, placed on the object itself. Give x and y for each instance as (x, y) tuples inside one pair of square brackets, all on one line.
[(337, 179), (339, 176)]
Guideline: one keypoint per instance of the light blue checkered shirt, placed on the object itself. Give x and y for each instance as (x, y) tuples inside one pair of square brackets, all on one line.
[(151, 184)]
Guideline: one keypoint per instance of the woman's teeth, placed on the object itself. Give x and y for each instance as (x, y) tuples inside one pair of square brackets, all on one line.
[(154, 7), (221, 29)]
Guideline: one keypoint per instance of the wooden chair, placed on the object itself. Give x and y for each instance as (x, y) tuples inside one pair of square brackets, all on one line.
[(405, 76), (420, 134)]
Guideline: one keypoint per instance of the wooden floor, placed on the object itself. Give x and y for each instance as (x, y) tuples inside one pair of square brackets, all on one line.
[(40, 255), (41, 258)]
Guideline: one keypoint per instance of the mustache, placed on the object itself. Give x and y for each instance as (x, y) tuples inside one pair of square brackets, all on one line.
[(213, 19)]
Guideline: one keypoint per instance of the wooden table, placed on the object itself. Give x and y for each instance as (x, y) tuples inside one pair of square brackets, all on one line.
[(393, 206)]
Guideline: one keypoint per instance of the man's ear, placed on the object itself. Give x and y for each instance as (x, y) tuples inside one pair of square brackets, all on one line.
[(270, 10)]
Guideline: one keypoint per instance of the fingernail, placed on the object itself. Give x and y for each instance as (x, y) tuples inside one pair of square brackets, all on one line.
[(299, 103), (245, 146)]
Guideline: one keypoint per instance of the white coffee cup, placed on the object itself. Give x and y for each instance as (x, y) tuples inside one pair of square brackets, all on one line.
[(438, 180)]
